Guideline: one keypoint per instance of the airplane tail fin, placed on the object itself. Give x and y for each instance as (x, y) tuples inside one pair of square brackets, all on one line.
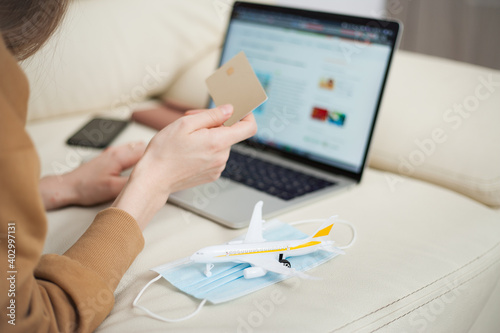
[(254, 233), (325, 229)]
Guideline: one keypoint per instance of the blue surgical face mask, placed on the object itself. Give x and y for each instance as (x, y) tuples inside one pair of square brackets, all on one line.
[(227, 281)]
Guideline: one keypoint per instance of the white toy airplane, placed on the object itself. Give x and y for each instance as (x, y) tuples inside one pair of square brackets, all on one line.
[(265, 256)]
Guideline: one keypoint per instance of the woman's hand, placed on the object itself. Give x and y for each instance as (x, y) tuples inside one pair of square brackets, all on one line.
[(94, 182), (191, 151)]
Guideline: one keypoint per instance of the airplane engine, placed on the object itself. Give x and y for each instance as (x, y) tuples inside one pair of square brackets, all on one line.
[(254, 272)]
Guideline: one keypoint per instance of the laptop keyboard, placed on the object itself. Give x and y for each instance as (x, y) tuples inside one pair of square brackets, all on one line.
[(270, 178)]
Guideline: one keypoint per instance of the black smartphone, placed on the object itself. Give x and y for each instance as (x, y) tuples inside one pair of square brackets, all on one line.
[(97, 133)]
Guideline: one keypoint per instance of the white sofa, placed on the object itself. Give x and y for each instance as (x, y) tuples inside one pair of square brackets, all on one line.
[(427, 212)]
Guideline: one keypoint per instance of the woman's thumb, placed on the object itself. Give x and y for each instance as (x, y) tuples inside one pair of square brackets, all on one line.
[(212, 117)]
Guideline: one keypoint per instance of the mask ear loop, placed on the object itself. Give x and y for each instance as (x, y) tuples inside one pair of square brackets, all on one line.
[(154, 315), (349, 224), (354, 234)]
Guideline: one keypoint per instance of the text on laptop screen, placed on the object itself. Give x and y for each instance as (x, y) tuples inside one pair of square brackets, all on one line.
[(323, 79)]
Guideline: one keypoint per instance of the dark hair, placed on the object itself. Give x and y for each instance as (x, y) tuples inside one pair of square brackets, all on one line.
[(26, 25)]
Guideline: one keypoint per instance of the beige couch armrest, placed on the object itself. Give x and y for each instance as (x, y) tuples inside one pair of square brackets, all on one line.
[(440, 122)]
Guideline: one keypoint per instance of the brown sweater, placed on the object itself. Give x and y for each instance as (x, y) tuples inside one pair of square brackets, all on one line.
[(49, 293)]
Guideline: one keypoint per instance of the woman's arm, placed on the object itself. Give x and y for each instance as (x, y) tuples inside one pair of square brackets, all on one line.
[(94, 182)]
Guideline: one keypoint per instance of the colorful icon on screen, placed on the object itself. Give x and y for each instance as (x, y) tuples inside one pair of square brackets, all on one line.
[(331, 117), (319, 114), (336, 118)]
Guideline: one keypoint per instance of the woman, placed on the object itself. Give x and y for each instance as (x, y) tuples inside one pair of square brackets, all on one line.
[(74, 292)]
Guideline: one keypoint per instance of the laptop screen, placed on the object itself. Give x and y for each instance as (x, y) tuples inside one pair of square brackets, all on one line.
[(324, 75)]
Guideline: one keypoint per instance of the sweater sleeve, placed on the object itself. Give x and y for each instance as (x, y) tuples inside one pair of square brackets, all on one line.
[(84, 278), (50, 293)]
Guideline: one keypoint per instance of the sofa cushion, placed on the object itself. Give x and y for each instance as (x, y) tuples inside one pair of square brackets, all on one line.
[(189, 90), (116, 52), (439, 122)]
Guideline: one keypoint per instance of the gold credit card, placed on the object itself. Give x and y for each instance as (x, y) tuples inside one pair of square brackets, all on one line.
[(235, 83)]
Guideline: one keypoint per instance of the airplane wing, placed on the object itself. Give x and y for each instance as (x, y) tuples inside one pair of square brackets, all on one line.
[(254, 233), (272, 265)]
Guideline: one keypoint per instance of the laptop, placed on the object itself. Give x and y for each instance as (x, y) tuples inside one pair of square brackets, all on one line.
[(324, 75)]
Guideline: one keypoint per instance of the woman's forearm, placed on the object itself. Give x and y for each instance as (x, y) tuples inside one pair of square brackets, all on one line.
[(140, 199)]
